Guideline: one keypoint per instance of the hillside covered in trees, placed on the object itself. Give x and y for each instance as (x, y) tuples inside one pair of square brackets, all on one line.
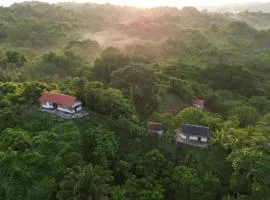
[(129, 66)]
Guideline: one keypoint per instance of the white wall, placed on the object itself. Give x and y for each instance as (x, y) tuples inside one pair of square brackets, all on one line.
[(203, 139), (76, 104), (183, 136), (195, 138), (198, 106), (79, 108), (65, 110), (160, 133), (46, 105)]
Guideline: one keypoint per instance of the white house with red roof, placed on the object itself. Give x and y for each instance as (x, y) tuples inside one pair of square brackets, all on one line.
[(60, 102), (199, 103)]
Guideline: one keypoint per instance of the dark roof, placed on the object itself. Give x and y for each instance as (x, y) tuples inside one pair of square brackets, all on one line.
[(155, 126), (62, 99), (195, 130)]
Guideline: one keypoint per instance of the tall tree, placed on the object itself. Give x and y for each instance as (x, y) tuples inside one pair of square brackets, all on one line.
[(111, 59), (140, 82), (84, 183)]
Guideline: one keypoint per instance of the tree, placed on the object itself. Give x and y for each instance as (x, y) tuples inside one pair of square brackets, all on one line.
[(140, 83), (32, 91), (186, 42), (14, 58), (183, 183), (251, 173), (88, 49), (143, 189), (16, 140), (230, 137), (31, 162), (87, 182), (111, 59), (261, 103), (226, 77), (263, 125), (245, 114), (165, 118), (182, 88), (152, 164), (62, 64), (9, 117), (109, 102), (196, 116), (99, 146), (189, 116)]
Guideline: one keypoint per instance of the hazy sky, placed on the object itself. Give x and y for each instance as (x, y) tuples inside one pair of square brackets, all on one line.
[(148, 3)]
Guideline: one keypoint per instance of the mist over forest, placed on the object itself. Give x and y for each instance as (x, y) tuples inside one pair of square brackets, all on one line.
[(131, 67)]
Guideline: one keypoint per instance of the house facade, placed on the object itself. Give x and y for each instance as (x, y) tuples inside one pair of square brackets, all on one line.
[(60, 102), (155, 128), (193, 135), (199, 103)]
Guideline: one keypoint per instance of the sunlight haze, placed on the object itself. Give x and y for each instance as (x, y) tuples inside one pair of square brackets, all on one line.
[(144, 3)]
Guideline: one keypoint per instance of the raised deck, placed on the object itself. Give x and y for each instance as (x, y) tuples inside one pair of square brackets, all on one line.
[(191, 143), (180, 140), (65, 115)]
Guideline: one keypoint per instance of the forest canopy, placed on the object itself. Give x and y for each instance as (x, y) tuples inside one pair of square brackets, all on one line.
[(130, 66)]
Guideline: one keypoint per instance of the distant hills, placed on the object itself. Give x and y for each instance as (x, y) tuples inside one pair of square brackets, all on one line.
[(234, 8)]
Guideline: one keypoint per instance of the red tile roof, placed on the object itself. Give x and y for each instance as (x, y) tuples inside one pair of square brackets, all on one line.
[(57, 98), (154, 126), (199, 102)]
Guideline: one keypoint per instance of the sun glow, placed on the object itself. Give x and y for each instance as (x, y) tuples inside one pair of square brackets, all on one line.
[(177, 3)]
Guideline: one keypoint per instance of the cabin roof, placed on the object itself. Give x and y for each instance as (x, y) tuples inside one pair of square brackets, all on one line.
[(155, 126), (200, 102), (57, 98), (193, 130)]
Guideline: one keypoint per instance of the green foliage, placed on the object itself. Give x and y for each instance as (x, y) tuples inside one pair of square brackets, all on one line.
[(139, 82), (33, 90), (24, 154), (245, 114), (143, 189), (109, 102), (261, 103), (165, 118), (251, 169), (111, 59), (230, 78), (190, 90), (87, 182), (196, 116), (62, 64), (88, 49), (166, 59), (13, 58), (184, 182), (182, 88), (187, 41), (230, 137), (99, 146)]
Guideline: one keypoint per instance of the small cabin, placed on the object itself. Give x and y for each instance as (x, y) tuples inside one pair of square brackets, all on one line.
[(155, 128), (199, 103), (60, 102), (193, 135)]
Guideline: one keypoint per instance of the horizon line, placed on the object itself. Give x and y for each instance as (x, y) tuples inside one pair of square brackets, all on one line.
[(135, 6)]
